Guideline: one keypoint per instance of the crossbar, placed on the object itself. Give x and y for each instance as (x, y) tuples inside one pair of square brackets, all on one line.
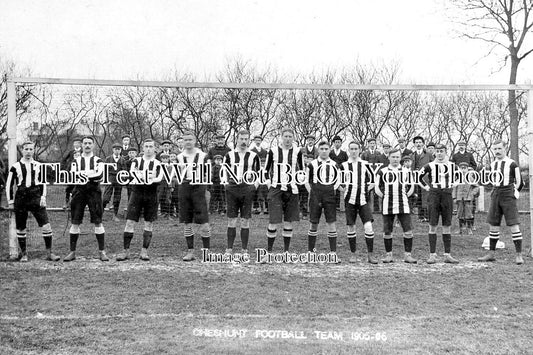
[(271, 86)]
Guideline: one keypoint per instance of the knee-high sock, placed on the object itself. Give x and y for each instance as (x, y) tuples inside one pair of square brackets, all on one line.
[(232, 233), (311, 239), (73, 241), (352, 239), (128, 236), (245, 234), (432, 243), (147, 238)]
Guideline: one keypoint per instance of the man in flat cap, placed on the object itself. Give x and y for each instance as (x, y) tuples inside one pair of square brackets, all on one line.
[(115, 189), (463, 156), (125, 145), (220, 148), (402, 143), (385, 155), (421, 157), (165, 148), (430, 147), (339, 156), (310, 150)]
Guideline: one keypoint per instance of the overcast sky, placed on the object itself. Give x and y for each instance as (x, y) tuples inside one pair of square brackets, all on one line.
[(126, 39)]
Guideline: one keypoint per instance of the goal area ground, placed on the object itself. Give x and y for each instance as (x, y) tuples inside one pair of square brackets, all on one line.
[(170, 306)]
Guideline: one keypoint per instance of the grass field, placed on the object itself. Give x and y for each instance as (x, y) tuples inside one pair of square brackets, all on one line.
[(169, 306)]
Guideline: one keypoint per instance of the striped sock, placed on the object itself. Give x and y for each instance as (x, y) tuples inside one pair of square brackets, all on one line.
[(352, 238), (271, 236), (100, 238), (287, 235), (332, 237), (517, 240), (311, 239), (493, 238), (369, 239), (189, 237), (47, 236)]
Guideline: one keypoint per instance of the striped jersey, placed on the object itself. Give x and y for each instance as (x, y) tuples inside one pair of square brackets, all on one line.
[(440, 175), (395, 200), (141, 165), (239, 163), (275, 168), (91, 165), (357, 176), (323, 173), (23, 175), (197, 157), (509, 172)]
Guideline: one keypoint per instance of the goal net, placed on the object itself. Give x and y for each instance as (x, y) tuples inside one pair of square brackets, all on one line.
[(59, 110)]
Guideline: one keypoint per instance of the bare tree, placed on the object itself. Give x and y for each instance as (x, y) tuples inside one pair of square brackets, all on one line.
[(23, 96), (502, 24)]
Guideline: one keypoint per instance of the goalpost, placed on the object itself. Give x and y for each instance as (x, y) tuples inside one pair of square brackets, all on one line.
[(12, 113)]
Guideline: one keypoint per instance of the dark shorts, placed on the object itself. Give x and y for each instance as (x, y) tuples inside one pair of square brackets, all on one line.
[(262, 192), (440, 204), (503, 203), (283, 206), (192, 203), (404, 218), (29, 200), (239, 199), (86, 195), (143, 199), (322, 200), (364, 212)]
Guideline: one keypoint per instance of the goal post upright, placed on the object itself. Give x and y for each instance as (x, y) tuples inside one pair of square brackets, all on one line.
[(530, 157), (12, 155), (12, 114)]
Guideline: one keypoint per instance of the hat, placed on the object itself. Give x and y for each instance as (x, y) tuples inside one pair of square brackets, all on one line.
[(133, 149), (401, 140), (336, 138), (310, 136), (419, 137), (77, 139), (461, 142), (126, 136), (164, 155), (117, 145), (440, 146), (258, 136), (166, 141), (463, 163), (406, 157), (372, 139), (218, 136), (430, 144), (386, 145), (218, 156)]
